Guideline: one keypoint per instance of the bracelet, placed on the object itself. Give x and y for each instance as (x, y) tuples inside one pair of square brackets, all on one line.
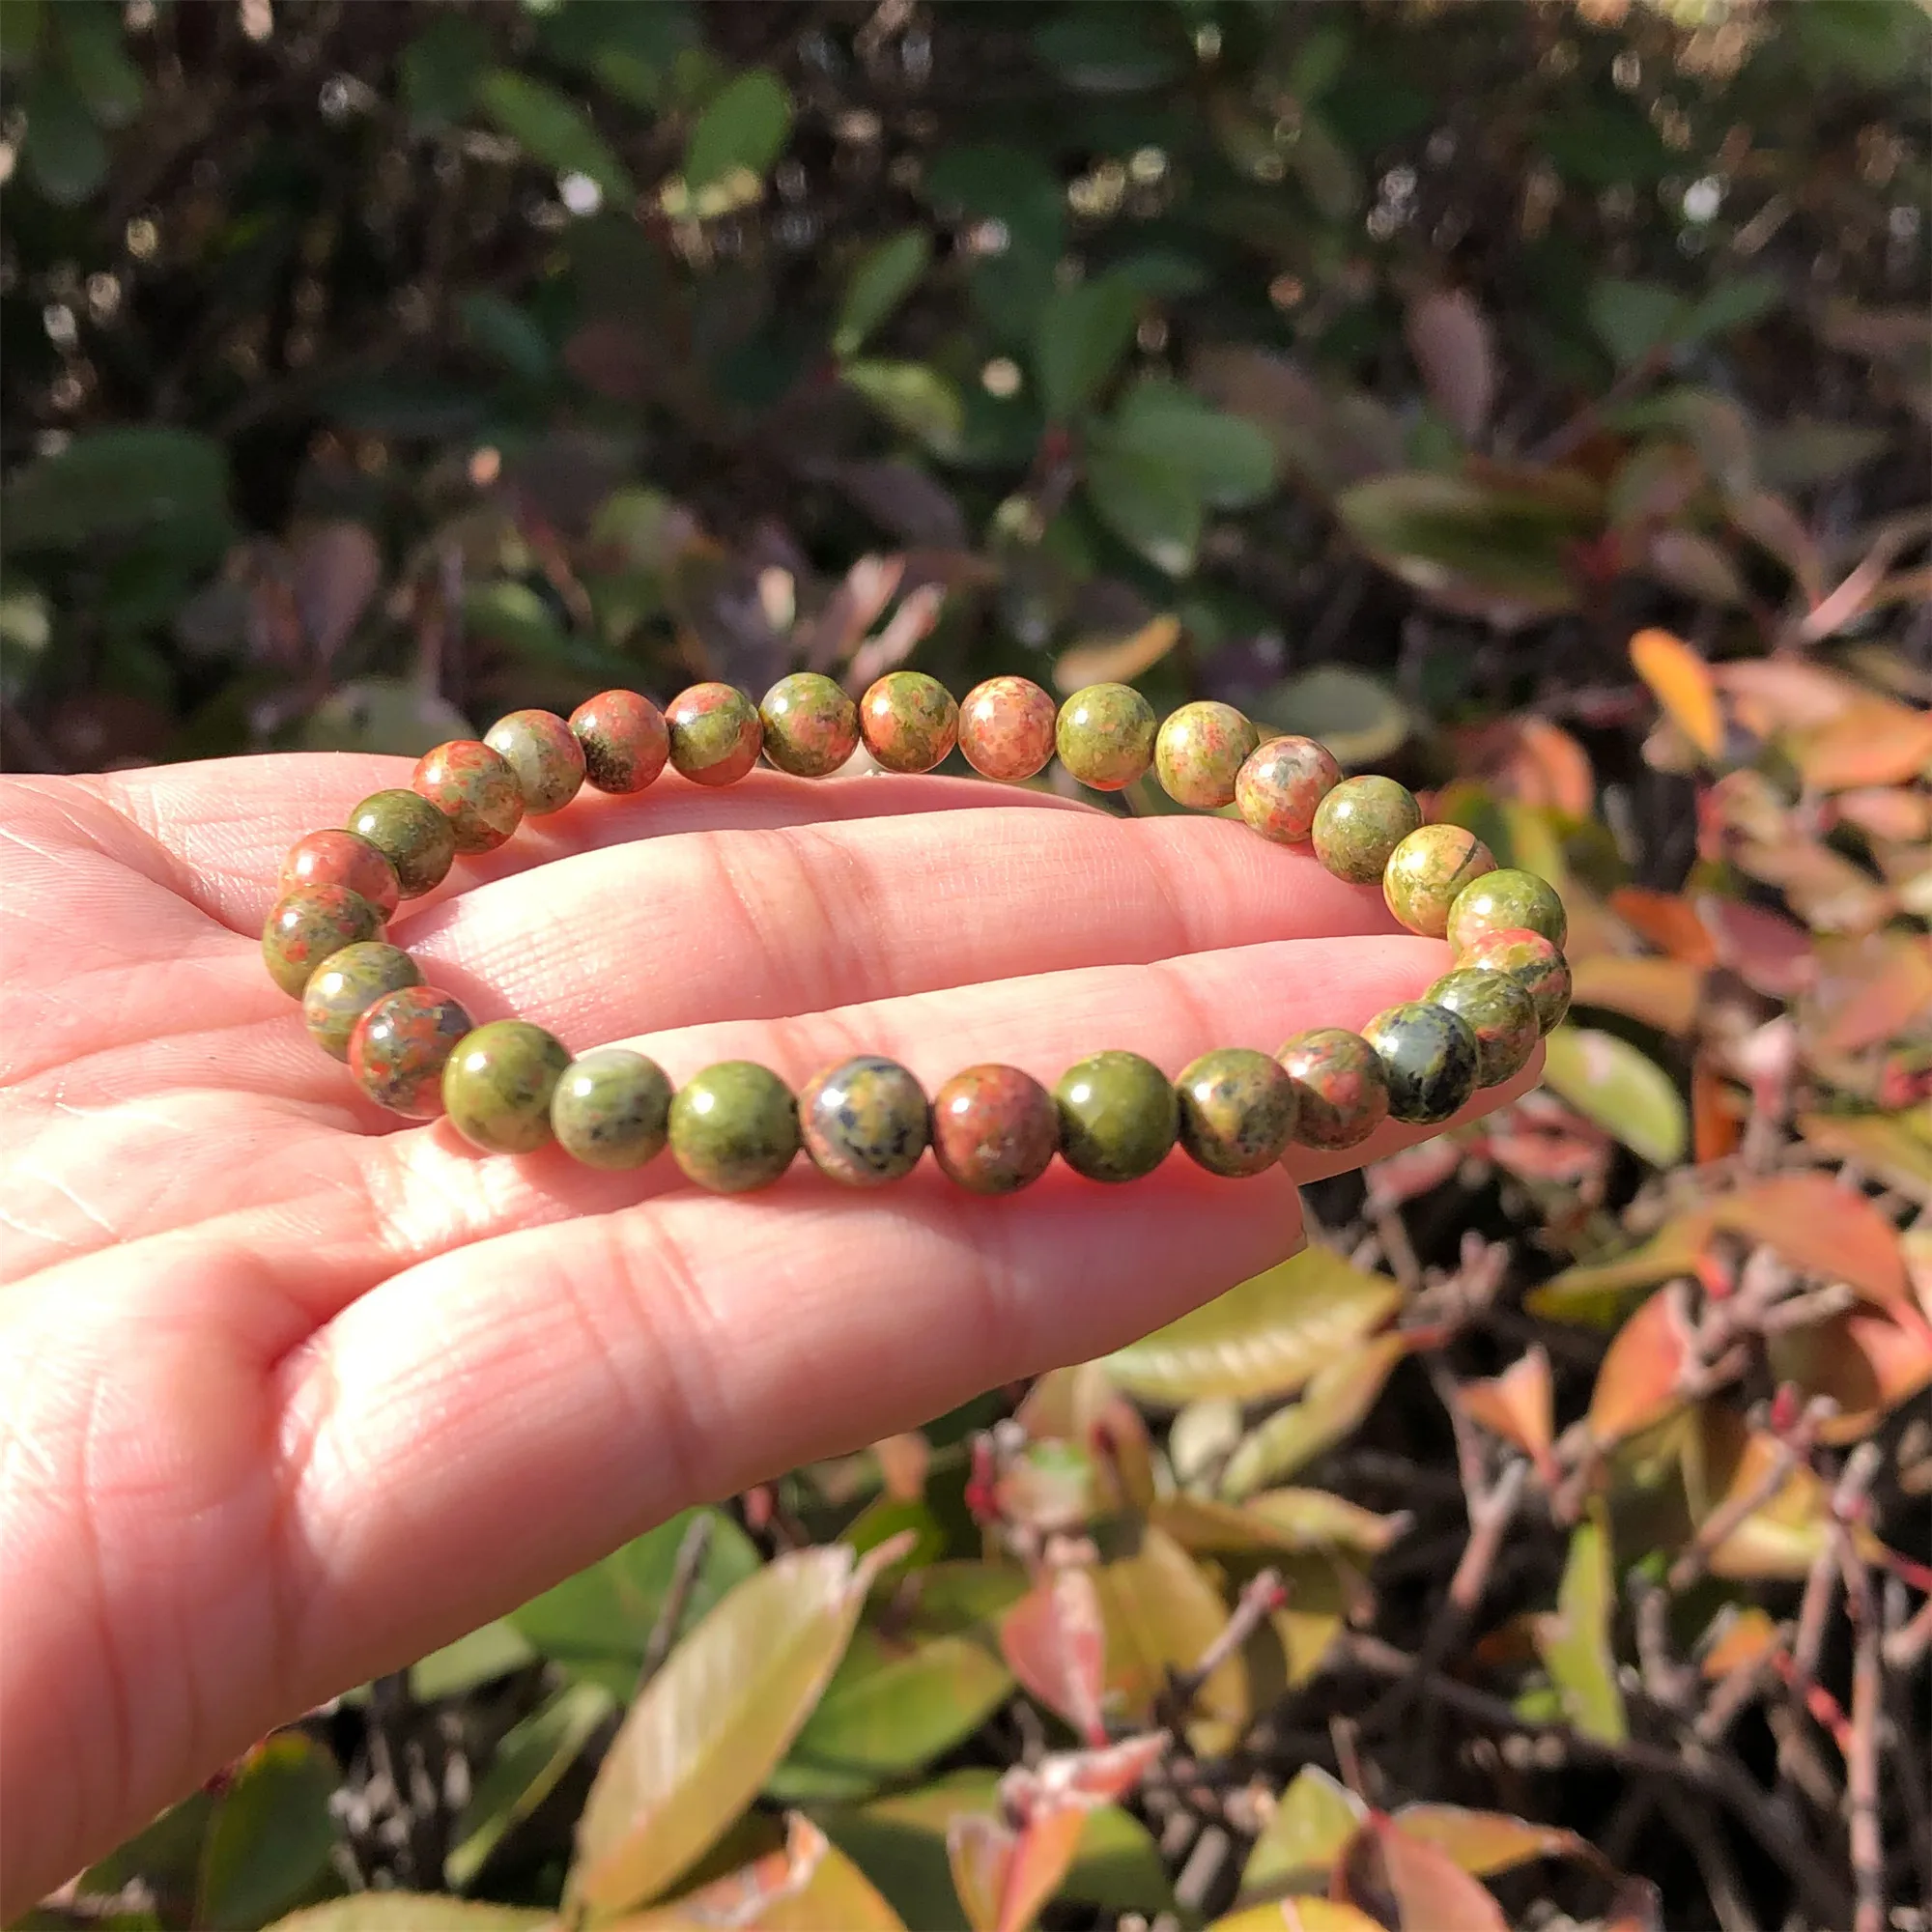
[(509, 1087)]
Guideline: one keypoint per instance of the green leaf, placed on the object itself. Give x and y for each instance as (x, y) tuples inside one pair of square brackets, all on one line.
[(65, 154), (27, 627), (1081, 336), (745, 125), (883, 279), (479, 1658), (1334, 1405), (414, 1912), (1575, 1643), (1633, 319), (109, 82), (382, 713), (268, 1843), (110, 481), (507, 333), (1609, 1082), (912, 398), (1008, 184), (1156, 511), (552, 128), (1229, 461), (1736, 300), (442, 67), (1312, 1821), (19, 31), (1356, 715), (1100, 49)]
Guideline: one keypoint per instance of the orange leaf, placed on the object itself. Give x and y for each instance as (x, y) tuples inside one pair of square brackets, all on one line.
[(1517, 1405), (1872, 991), (1716, 1119), (1866, 1363), (1409, 1885), (1823, 1230), (1875, 742), (1055, 1642), (1680, 682), (1669, 921), (1664, 993), (1530, 760), (1642, 1373), (1738, 1637), (1486, 1842), (1115, 659), (1888, 813)]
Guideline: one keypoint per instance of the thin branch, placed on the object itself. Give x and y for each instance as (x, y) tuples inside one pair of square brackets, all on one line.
[(1265, 1594), (1867, 1842), (692, 1550)]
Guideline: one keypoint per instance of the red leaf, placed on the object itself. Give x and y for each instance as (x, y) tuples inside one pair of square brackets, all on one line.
[(1823, 1230), (1769, 954), (1669, 921), (1518, 1406), (1642, 1374), (1004, 1877), (1865, 1362), (1055, 1642), (1411, 1886), (1088, 1777)]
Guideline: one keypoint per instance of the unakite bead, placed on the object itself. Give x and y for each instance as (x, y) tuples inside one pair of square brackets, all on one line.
[(1105, 735), (1340, 1091), (910, 722), (1532, 962), (1360, 823), (1005, 728), (400, 1046), (305, 926), (1429, 1056), (1428, 871), (1199, 753), (411, 834), (994, 1129), (1238, 1110), (624, 738), (611, 1109), (1506, 900), (734, 1127), (715, 733), (810, 726), (347, 984), (864, 1122), (1498, 1012), (1117, 1116), (542, 754), (1281, 784), (474, 788), (496, 1086), (333, 858)]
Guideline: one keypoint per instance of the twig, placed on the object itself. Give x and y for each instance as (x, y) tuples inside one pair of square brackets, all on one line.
[(1910, 1642), (1699, 1830), (1265, 1594), (1903, 1738), (692, 1550), (1202, 1871), (1867, 1842), (1792, 1449)]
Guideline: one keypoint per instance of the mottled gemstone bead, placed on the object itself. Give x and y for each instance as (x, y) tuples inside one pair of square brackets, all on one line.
[(1431, 1059), (1280, 786), (1005, 728), (1428, 871), (1341, 1093), (733, 1127), (1117, 1116), (1199, 751), (411, 834), (1507, 900), (496, 1086), (994, 1129), (715, 733), (347, 984), (1531, 961), (1238, 1110), (1105, 735), (624, 738), (611, 1109), (400, 1046), (474, 788), (333, 858), (543, 753), (864, 1122), (810, 726), (1359, 823), (910, 720), (305, 926), (1498, 1012)]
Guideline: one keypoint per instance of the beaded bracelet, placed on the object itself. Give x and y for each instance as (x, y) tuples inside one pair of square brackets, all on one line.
[(509, 1087)]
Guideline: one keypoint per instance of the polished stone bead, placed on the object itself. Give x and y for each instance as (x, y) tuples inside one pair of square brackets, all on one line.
[(810, 726), (1428, 871), (474, 788), (715, 733), (1105, 735), (411, 834), (611, 1109), (733, 1127), (333, 858), (543, 753), (910, 722), (1531, 961), (347, 984), (1281, 784), (1359, 823), (994, 1129), (1506, 900), (496, 1086), (1429, 1056), (1117, 1116), (1238, 1110), (864, 1122), (308, 923), (1005, 728), (1199, 751), (625, 740), (400, 1046), (1498, 1012), (1340, 1092)]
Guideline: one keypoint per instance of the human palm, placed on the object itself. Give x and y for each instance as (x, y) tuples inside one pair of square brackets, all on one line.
[(292, 1391)]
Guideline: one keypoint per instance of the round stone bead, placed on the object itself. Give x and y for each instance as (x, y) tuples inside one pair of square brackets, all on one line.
[(1428, 871), (474, 788), (334, 858), (1431, 1058), (1117, 1116), (864, 1123), (1005, 728), (1498, 1012), (715, 733), (543, 753), (910, 720), (305, 926), (1506, 900), (994, 1129), (1531, 961), (1238, 1110), (400, 1046), (1279, 787), (810, 726), (734, 1127), (347, 984), (1105, 735), (1360, 823), (1341, 1093), (624, 739), (496, 1086), (411, 834), (1199, 751), (611, 1109)]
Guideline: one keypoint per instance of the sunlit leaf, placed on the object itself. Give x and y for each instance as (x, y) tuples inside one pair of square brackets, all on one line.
[(1885, 1145), (1729, 1461), (1608, 1081), (1823, 1230), (1161, 1615), (1290, 1520), (1866, 1362), (1680, 681), (1004, 1876), (493, 1650), (1115, 659), (270, 1841), (912, 397), (1642, 1380), (1664, 993), (1517, 1405), (1875, 742), (805, 1885), (1333, 1403), (1411, 1885), (1594, 1291), (1575, 1642), (886, 274), (1055, 1642), (414, 1912), (745, 125), (1486, 1842), (1738, 1635), (1298, 1915), (1312, 1821)]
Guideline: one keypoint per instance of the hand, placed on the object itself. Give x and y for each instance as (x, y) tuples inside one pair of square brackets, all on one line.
[(292, 1391)]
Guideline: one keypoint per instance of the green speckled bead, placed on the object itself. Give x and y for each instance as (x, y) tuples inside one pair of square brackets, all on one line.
[(625, 740), (497, 1085), (347, 984), (1282, 784), (1428, 871), (411, 834), (733, 1127), (715, 733), (1431, 1058), (1532, 962), (1199, 751), (474, 788), (1005, 728), (333, 858), (810, 726), (611, 1109), (1340, 1092), (1117, 1116), (1503, 901), (864, 1122), (994, 1129), (1360, 823), (1105, 735), (543, 753), (305, 926), (400, 1046), (910, 722), (1238, 1110), (1498, 1012)]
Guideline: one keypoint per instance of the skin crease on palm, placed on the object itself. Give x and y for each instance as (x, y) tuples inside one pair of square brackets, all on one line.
[(292, 1392)]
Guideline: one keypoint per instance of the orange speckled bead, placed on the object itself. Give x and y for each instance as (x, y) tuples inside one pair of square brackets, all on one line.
[(1341, 1090), (308, 923), (1199, 753), (625, 740), (333, 858), (474, 788), (400, 1046), (716, 733), (1280, 786), (1426, 872), (1005, 728), (544, 754), (910, 720)]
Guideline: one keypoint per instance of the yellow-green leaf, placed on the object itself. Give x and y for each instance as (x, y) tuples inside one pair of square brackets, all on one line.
[(1336, 1401), (414, 1912), (1575, 1643), (1312, 1821), (1609, 1082)]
